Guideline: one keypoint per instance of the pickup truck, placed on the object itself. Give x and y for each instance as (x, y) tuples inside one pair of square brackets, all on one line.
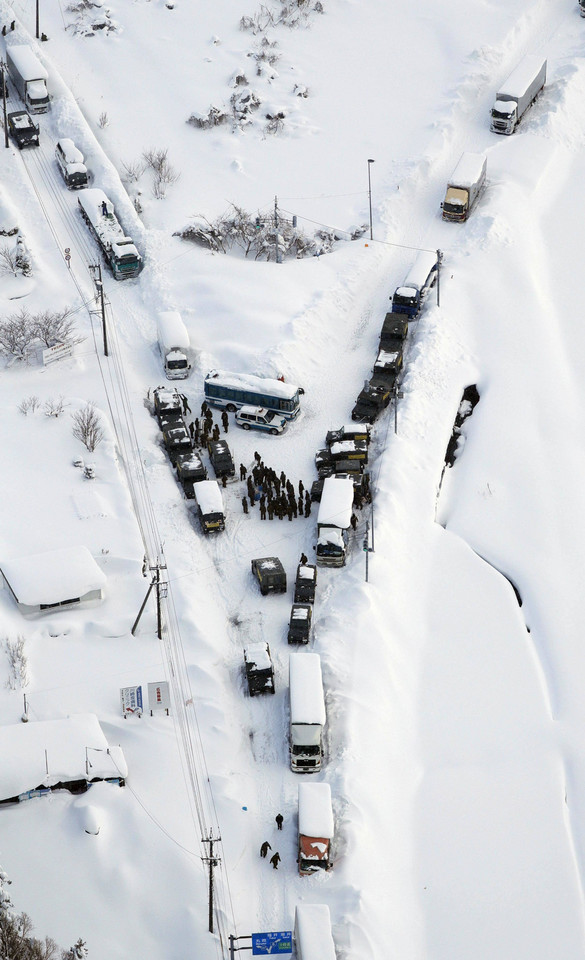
[(22, 129)]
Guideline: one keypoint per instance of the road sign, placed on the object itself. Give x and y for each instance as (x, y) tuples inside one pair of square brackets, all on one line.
[(68, 256), (131, 698), (67, 249), (269, 944)]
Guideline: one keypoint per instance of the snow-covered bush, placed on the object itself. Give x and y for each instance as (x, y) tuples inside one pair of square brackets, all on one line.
[(23, 333), (18, 662), (16, 942), (87, 427)]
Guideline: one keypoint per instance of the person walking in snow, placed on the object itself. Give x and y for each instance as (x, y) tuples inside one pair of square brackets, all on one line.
[(245, 504), (304, 559), (225, 421), (307, 504), (204, 408), (264, 849), (279, 820), (275, 860), (353, 521), (186, 407)]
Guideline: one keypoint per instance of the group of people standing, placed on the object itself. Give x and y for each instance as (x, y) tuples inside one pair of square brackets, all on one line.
[(203, 428), (275, 494)]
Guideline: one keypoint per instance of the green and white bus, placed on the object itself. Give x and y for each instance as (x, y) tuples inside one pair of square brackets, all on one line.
[(230, 391)]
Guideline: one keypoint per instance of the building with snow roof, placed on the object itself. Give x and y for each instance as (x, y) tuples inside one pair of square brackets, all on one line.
[(58, 578), (67, 754)]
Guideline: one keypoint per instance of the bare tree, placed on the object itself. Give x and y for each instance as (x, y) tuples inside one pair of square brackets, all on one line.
[(9, 261), (77, 952), (87, 427), (54, 408), (103, 120), (29, 405), (18, 662), (17, 335), (53, 327), (133, 170)]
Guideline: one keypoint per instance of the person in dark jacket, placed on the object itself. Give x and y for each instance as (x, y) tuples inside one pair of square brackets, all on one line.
[(275, 860), (303, 559), (245, 504), (186, 407), (307, 504), (279, 820), (225, 421), (243, 472), (353, 521), (265, 848)]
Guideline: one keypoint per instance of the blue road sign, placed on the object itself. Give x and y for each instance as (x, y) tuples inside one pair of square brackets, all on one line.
[(269, 944)]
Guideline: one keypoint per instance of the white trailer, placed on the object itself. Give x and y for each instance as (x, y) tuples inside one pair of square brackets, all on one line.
[(209, 505), (28, 76), (408, 297), (315, 828), (174, 344), (307, 712), (333, 521), (464, 186), (517, 94), (313, 939)]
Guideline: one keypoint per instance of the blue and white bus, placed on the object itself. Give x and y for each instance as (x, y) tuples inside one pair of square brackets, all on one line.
[(230, 391)]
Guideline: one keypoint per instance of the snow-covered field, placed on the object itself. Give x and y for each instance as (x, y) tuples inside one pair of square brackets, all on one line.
[(455, 716)]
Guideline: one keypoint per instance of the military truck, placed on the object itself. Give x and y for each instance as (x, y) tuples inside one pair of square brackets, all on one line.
[(221, 458), (299, 627), (190, 470), (394, 330), (361, 486), (387, 365), (351, 431), (176, 440), (259, 669), (23, 131), (270, 574), (167, 406), (305, 583), (374, 398), (209, 506)]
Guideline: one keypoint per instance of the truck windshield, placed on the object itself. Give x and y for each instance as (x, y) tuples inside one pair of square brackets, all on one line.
[(303, 750), (177, 364), (455, 200)]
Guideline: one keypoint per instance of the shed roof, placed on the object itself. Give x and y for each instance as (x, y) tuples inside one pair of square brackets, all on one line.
[(53, 576)]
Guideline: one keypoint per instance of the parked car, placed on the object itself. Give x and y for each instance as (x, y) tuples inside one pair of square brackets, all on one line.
[(70, 162), (221, 458), (270, 574), (259, 669), (259, 418), (370, 402), (299, 627), (305, 583), (351, 431), (190, 470)]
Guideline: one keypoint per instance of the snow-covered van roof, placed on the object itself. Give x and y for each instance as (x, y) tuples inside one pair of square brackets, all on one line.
[(315, 813), (70, 152), (46, 578), (468, 171), (313, 932), (286, 391), (307, 704), (171, 329), (28, 749), (208, 496), (307, 573), (346, 446), (517, 84), (257, 654), (27, 64), (336, 505), (420, 271)]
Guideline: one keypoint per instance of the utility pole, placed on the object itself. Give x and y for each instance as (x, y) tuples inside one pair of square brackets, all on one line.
[(3, 76), (439, 262), (367, 548), (213, 862), (37, 33), (96, 269), (161, 592), (278, 257), (370, 162)]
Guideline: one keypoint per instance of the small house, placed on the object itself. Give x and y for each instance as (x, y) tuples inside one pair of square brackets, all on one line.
[(57, 579)]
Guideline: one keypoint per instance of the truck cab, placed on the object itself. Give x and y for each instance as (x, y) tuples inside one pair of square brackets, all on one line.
[(190, 470), (221, 458), (370, 402), (176, 440), (315, 828), (270, 575), (387, 365), (167, 406), (299, 627), (394, 330), (351, 431), (259, 668)]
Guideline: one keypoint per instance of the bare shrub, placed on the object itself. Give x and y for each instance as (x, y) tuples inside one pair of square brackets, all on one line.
[(9, 261), (103, 120), (29, 405), (54, 408), (56, 327), (133, 170), (87, 427), (275, 122), (215, 117), (18, 663), (17, 336)]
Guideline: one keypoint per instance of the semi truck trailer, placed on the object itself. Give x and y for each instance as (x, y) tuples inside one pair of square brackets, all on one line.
[(307, 712), (517, 94), (28, 76)]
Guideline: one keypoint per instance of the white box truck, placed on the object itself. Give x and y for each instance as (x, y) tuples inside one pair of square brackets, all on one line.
[(173, 341), (209, 506), (409, 296), (307, 712), (464, 186), (315, 828), (313, 939), (333, 521), (517, 94), (28, 76)]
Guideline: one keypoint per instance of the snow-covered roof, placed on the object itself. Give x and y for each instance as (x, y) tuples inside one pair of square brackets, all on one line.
[(307, 704), (307, 573), (171, 330), (386, 358), (70, 152), (257, 654), (36, 90), (28, 749), (53, 576), (422, 267), (336, 504), (276, 388), (29, 67), (300, 611), (315, 813), (208, 496), (313, 932), (345, 446), (468, 171)]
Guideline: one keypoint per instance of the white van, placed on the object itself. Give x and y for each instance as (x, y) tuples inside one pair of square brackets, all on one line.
[(259, 418), (70, 163)]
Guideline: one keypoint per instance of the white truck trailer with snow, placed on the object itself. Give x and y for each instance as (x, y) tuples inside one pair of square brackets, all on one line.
[(209, 506), (307, 712), (313, 939), (315, 828), (464, 186), (517, 94), (173, 341), (28, 76), (333, 521)]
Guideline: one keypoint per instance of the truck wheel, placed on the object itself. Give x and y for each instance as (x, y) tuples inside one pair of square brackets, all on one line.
[(230, 408), (263, 591)]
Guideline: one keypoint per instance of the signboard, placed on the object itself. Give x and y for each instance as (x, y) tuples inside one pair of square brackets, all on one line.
[(159, 697), (269, 944), (58, 352), (131, 699)]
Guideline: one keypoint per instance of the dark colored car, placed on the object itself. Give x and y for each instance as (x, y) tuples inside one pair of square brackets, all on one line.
[(177, 440), (190, 470), (299, 627), (167, 406), (394, 330), (305, 583), (358, 431), (270, 574), (221, 458), (371, 401), (259, 669), (22, 129)]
